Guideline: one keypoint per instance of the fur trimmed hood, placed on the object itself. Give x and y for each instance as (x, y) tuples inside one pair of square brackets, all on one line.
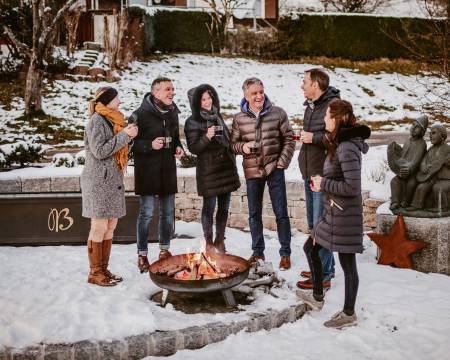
[(356, 134), (195, 97)]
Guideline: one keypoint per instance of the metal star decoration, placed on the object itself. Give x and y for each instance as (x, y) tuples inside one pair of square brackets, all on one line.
[(396, 248)]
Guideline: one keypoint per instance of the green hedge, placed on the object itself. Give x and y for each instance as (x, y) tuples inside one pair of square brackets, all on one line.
[(353, 37), (177, 31)]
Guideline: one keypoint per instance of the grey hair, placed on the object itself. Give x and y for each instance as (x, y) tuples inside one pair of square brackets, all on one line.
[(158, 81), (251, 81)]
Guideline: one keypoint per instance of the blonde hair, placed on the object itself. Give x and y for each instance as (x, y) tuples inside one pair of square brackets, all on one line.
[(93, 102)]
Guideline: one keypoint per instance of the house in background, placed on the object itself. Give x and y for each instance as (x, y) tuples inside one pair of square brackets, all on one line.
[(91, 25)]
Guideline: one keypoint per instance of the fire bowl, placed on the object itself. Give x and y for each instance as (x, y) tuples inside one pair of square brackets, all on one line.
[(234, 268)]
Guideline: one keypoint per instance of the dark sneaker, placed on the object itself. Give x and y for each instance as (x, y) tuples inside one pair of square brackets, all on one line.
[(308, 284), (285, 263), (308, 298), (254, 258), (164, 254), (305, 274), (341, 320)]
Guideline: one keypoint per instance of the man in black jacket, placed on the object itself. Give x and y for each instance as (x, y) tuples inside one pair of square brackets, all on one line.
[(155, 171), (312, 156)]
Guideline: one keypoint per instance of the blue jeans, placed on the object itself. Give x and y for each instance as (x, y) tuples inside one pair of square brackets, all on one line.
[(277, 190), (314, 210), (209, 205), (165, 224)]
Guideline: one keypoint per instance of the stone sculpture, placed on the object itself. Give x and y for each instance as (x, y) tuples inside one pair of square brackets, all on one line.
[(421, 187)]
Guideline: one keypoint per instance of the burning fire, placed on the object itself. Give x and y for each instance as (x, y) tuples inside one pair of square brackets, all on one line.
[(199, 266)]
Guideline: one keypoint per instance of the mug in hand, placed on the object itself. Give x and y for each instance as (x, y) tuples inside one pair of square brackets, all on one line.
[(167, 141), (254, 149), (297, 135), (218, 130), (315, 184)]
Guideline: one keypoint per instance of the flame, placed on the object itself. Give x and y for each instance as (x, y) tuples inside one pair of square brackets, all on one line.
[(201, 266)]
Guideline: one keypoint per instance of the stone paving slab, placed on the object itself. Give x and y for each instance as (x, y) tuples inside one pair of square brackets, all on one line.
[(159, 343)]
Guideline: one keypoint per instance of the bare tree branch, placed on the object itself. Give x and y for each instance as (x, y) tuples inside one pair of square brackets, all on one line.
[(221, 15), (354, 6), (20, 46), (47, 33)]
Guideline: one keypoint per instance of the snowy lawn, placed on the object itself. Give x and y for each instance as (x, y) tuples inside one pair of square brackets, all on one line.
[(44, 297), (376, 97)]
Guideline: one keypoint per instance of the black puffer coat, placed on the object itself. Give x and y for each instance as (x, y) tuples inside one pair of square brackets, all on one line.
[(340, 228), (216, 164), (312, 156), (155, 171)]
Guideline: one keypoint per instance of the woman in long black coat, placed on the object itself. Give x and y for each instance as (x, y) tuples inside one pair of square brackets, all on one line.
[(216, 169), (340, 228)]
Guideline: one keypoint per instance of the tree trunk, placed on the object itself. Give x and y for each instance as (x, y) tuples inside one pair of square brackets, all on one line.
[(33, 87)]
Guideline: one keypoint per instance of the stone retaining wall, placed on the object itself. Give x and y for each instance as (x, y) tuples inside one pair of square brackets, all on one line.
[(159, 343), (188, 204)]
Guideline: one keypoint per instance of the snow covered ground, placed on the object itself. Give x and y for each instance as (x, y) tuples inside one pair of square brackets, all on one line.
[(44, 297), (376, 97), (375, 173)]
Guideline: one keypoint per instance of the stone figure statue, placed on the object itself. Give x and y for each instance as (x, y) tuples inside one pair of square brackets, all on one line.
[(404, 162), (421, 187), (441, 188), (434, 160)]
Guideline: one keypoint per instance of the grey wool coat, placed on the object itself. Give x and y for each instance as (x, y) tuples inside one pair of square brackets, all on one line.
[(340, 228), (102, 187)]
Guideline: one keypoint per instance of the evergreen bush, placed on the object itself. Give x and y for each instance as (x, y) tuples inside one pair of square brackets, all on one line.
[(355, 37)]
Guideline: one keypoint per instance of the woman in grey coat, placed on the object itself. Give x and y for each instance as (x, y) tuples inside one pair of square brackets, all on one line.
[(340, 228), (102, 189)]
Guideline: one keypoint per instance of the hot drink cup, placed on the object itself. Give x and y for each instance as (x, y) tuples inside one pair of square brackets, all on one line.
[(167, 141), (218, 130)]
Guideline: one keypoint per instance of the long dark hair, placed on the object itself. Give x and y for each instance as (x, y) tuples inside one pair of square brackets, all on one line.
[(342, 112)]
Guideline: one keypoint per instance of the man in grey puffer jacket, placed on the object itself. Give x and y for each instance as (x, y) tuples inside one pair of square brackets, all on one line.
[(312, 155)]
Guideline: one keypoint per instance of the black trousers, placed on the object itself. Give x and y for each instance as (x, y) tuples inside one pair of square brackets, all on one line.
[(348, 264)]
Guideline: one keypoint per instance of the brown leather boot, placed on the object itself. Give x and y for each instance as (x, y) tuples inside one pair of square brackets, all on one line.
[(143, 263), (164, 254), (106, 251), (96, 275), (285, 263), (254, 259)]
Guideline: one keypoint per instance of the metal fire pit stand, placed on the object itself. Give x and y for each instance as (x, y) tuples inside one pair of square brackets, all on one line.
[(227, 294)]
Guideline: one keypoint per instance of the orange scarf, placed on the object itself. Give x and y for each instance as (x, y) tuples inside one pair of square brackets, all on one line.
[(118, 121)]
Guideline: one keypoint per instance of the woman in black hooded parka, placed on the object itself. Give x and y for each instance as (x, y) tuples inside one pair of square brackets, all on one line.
[(216, 171)]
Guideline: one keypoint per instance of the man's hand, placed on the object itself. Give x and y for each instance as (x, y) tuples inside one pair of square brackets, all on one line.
[(179, 153), (247, 146), (158, 143), (211, 132), (306, 137), (315, 183)]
